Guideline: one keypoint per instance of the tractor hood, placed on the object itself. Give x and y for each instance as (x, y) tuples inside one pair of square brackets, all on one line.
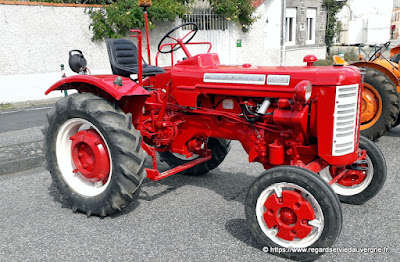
[(206, 68), (203, 74)]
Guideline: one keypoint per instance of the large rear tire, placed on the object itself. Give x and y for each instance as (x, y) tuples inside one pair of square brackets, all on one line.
[(380, 104), (219, 149), (94, 154), (397, 121), (291, 210)]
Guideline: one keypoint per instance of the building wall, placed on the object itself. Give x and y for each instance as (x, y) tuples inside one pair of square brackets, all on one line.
[(365, 21), (296, 53), (35, 40), (302, 6)]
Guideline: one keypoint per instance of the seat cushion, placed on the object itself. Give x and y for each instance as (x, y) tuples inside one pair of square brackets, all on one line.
[(123, 56)]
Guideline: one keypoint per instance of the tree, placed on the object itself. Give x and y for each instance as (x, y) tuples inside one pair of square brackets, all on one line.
[(332, 7)]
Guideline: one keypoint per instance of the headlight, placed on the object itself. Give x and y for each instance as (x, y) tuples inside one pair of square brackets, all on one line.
[(302, 92)]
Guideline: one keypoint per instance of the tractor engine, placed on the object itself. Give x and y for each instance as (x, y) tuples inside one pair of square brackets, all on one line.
[(280, 115)]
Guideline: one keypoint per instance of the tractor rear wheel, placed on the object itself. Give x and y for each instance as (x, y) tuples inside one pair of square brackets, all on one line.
[(94, 154), (397, 121), (357, 186), (380, 104), (219, 149), (289, 208)]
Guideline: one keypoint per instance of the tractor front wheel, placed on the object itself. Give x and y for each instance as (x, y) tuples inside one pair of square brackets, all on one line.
[(358, 186), (380, 104), (219, 149), (291, 210), (94, 154)]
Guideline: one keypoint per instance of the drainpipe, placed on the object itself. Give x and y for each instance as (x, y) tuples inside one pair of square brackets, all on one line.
[(283, 38)]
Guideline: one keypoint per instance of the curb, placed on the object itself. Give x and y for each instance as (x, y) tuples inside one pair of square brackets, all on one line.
[(21, 165), (16, 158)]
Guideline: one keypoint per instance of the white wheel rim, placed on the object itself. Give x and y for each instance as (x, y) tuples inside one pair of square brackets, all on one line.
[(66, 165), (317, 223), (350, 190), (183, 157)]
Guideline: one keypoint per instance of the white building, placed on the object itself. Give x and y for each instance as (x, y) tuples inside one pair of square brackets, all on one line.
[(365, 21)]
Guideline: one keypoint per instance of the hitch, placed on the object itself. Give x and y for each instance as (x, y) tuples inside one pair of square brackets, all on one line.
[(155, 175)]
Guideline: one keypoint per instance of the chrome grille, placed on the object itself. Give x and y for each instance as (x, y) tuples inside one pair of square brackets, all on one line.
[(345, 119)]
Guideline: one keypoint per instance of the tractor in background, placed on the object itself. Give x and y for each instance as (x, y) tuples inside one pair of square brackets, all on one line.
[(380, 106), (301, 123)]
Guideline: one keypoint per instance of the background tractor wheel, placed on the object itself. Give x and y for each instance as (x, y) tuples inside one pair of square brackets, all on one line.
[(380, 104), (219, 148), (94, 154), (292, 207), (397, 121), (357, 187)]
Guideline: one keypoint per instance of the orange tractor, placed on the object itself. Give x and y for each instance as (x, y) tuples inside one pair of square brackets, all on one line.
[(380, 104)]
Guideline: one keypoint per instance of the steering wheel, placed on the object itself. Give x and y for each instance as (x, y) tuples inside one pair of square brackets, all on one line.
[(193, 32), (379, 50)]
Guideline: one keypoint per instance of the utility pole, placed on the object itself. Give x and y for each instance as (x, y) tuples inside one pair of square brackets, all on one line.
[(283, 38)]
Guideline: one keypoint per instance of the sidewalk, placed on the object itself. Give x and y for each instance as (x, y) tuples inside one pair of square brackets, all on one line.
[(21, 135)]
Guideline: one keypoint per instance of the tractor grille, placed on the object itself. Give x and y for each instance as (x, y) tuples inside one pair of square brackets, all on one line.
[(346, 113)]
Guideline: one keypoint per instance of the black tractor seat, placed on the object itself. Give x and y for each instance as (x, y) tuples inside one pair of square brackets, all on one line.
[(123, 55)]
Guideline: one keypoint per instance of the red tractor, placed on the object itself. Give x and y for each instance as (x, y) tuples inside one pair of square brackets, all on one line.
[(301, 123)]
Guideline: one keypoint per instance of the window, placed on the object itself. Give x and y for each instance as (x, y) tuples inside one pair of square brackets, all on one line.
[(310, 34), (291, 26)]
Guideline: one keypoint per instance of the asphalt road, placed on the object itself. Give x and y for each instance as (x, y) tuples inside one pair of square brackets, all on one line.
[(12, 120), (179, 219)]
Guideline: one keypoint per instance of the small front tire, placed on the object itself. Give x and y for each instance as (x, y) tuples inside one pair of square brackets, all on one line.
[(291, 207), (357, 187)]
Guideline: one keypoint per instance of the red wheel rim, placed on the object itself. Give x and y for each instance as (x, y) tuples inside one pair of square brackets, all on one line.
[(350, 178), (90, 156), (289, 215)]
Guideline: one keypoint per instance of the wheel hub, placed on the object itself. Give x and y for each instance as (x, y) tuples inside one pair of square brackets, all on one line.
[(90, 156), (350, 178), (371, 108), (289, 215)]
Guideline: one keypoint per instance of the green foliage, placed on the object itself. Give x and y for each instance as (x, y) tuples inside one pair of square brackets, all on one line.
[(5, 106), (239, 11), (89, 2), (116, 19), (333, 7), (349, 55)]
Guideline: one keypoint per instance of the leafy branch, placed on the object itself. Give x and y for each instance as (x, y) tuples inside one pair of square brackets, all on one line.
[(333, 7), (113, 21)]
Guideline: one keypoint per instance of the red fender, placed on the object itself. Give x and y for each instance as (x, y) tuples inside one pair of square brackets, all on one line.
[(86, 83)]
